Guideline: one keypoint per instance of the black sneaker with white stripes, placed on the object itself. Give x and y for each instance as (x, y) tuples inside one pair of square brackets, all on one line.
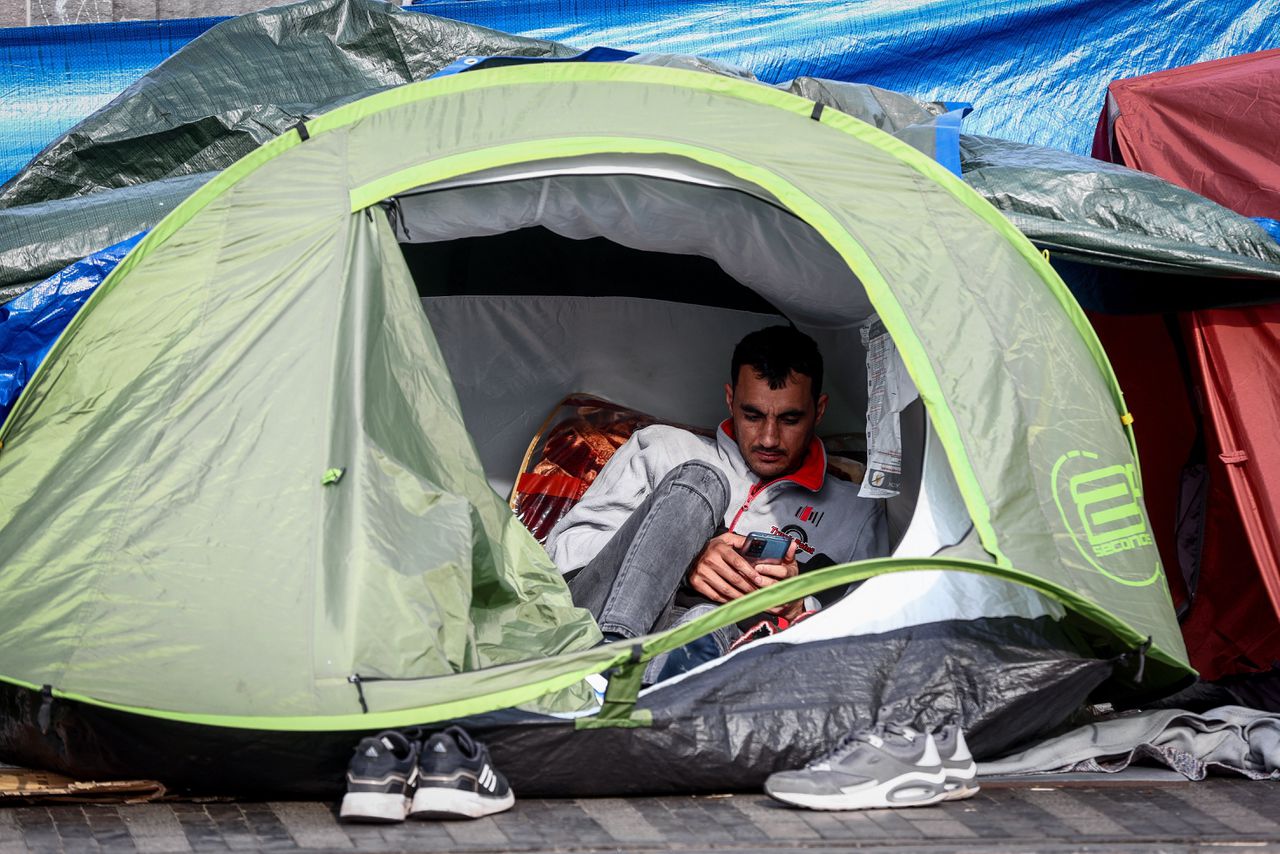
[(380, 779), (456, 779)]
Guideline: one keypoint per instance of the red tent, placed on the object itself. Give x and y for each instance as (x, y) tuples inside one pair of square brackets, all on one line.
[(1209, 382)]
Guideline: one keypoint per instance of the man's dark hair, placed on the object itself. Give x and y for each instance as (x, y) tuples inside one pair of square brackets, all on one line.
[(774, 352)]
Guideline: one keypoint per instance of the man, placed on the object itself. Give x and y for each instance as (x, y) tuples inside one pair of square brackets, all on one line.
[(661, 528)]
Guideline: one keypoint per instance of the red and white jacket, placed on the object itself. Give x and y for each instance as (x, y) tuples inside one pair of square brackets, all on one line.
[(823, 514)]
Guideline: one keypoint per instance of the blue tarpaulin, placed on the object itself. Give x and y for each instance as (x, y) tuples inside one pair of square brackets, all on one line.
[(52, 77), (30, 324), (1035, 71)]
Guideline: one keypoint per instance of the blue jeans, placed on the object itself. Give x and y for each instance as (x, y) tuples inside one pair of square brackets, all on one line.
[(630, 586)]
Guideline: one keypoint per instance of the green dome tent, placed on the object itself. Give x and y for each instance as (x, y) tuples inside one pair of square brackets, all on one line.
[(250, 491)]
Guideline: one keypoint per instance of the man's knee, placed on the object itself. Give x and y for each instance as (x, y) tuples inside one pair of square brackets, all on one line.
[(704, 479)]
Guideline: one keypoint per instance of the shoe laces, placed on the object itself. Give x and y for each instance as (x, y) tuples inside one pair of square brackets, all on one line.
[(463, 739), (873, 735)]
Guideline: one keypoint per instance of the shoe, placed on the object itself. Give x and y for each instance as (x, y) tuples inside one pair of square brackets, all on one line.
[(456, 779), (962, 771), (888, 766), (380, 779)]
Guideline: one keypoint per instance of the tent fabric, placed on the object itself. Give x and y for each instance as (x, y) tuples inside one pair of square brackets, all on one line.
[(279, 287), (570, 344), (1209, 127), (1238, 356), (1030, 65), (411, 536)]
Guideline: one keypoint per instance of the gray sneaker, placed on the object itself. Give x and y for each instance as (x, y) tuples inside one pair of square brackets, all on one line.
[(888, 766), (962, 771)]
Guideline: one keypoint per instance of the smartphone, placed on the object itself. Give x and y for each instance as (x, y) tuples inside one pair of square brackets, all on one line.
[(765, 546)]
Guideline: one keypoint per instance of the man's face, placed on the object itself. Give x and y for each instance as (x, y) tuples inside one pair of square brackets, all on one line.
[(773, 425)]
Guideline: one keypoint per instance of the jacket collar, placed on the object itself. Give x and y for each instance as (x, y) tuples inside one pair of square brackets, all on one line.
[(811, 474)]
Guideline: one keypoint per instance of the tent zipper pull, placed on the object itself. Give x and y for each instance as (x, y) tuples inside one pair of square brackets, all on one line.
[(354, 679), (45, 716), (1141, 652), (396, 216)]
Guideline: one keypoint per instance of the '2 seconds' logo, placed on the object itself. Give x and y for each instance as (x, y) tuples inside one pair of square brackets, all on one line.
[(1099, 505)]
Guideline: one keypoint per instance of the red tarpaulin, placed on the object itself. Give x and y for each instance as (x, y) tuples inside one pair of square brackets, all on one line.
[(1213, 128)]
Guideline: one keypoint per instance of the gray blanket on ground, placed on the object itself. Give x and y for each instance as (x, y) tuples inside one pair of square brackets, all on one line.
[(1231, 738)]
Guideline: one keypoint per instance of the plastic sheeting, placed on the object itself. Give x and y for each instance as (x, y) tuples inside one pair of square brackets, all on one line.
[(182, 120), (38, 240), (1028, 65), (52, 77), (1104, 214), (31, 323)]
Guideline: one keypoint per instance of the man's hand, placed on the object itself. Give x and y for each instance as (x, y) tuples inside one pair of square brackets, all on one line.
[(776, 572), (722, 574)]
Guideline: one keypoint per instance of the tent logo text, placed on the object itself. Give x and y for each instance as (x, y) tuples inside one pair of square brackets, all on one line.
[(1100, 508)]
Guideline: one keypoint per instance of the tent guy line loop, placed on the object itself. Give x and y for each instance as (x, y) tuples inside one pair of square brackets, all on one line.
[(355, 680)]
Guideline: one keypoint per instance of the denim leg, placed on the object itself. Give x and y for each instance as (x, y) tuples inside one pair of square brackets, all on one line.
[(694, 653), (631, 584)]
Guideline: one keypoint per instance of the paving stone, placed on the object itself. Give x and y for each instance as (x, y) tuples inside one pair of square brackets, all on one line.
[(662, 819), (620, 819), (1074, 812), (829, 825), (157, 828), (267, 828), (941, 827), (1007, 820), (1234, 809), (892, 823), (731, 820), (311, 825), (695, 823), (229, 820), (480, 832), (1024, 816), (775, 820), (1142, 817), (861, 825)]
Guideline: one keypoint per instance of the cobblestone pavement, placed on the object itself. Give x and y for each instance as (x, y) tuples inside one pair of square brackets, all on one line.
[(1217, 814)]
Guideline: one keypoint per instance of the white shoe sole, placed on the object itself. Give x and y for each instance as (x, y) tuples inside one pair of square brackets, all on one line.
[(435, 802), (373, 806), (962, 785), (960, 788), (908, 790)]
